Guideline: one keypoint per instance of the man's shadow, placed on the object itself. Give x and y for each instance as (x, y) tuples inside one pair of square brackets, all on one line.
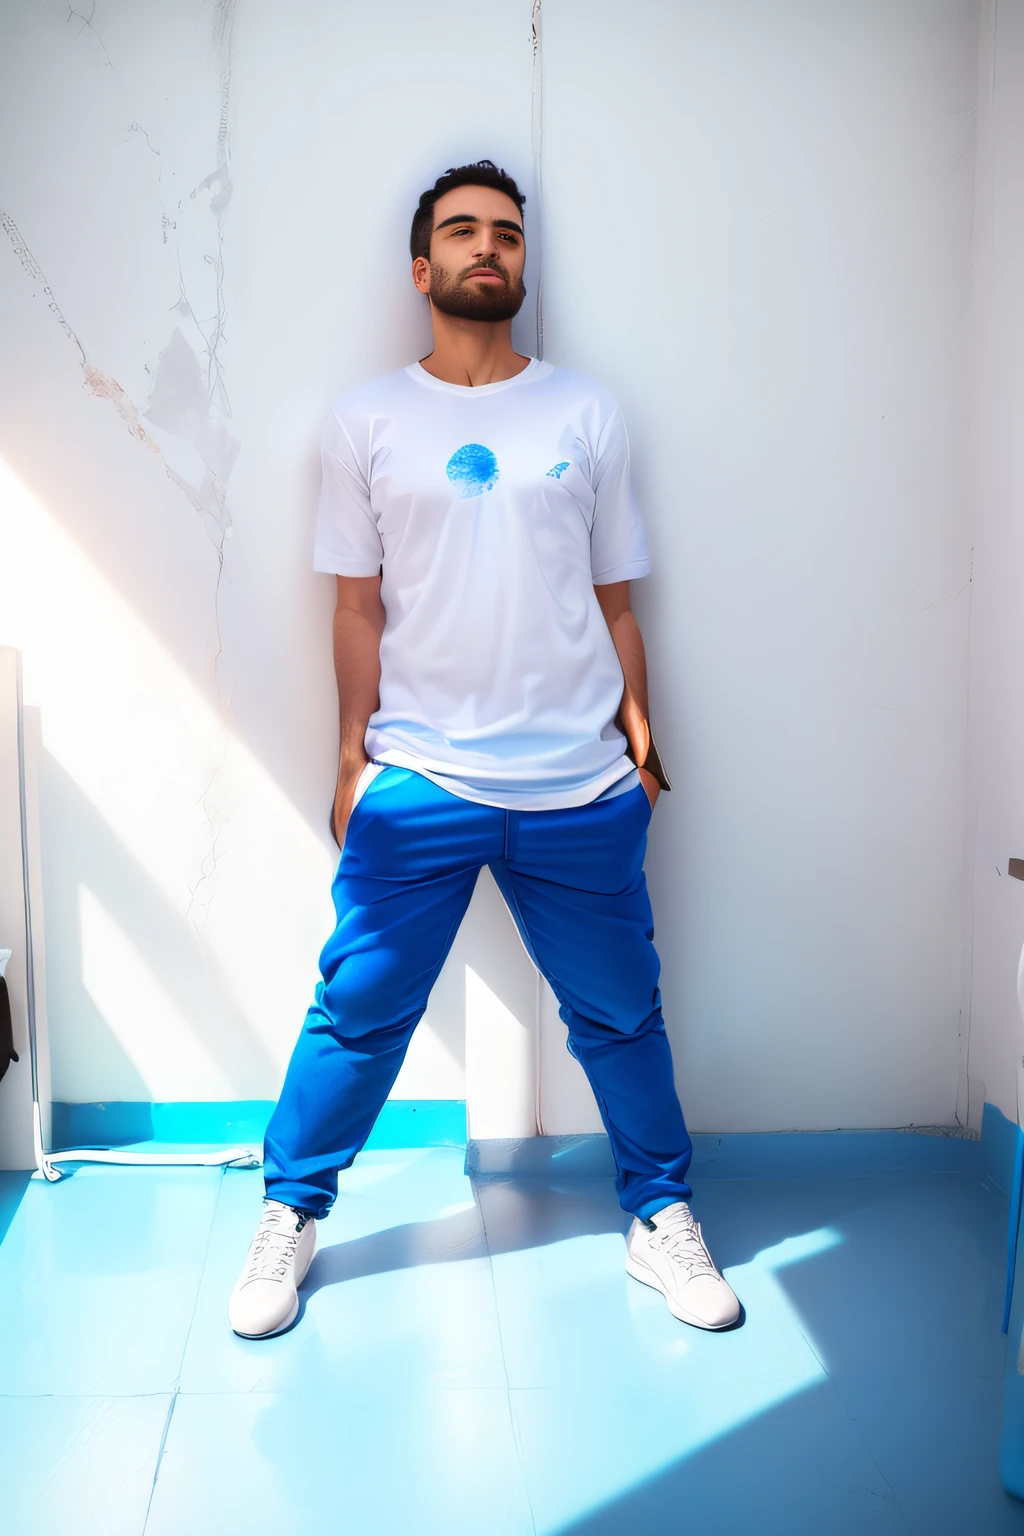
[(506, 1216), (511, 1215)]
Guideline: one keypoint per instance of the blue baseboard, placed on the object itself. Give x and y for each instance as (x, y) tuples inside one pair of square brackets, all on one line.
[(442, 1122), (743, 1155), (123, 1123), (777, 1154), (1001, 1143)]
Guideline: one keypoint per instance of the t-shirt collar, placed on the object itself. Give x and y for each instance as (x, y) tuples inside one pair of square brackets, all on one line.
[(535, 369)]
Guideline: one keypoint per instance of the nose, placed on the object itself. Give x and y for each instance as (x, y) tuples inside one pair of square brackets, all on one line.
[(487, 244)]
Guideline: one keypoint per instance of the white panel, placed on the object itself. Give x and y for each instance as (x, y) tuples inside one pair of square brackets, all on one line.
[(567, 1105), (17, 1149), (501, 1023), (756, 233), (994, 903)]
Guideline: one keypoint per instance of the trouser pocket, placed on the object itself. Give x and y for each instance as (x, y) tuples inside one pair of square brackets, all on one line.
[(369, 772)]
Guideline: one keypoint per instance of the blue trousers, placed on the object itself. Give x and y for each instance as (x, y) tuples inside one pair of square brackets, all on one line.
[(574, 883)]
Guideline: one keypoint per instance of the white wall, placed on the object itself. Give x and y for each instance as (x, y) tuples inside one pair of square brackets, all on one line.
[(756, 231), (994, 904), (757, 227)]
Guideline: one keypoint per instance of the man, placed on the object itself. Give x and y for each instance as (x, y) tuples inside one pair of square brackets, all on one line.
[(492, 686)]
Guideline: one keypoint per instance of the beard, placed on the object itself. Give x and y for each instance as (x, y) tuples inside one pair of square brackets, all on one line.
[(451, 297)]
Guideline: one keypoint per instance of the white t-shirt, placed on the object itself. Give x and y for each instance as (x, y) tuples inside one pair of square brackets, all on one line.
[(491, 513)]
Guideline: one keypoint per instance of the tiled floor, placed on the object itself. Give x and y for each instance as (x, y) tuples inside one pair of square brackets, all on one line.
[(475, 1362)]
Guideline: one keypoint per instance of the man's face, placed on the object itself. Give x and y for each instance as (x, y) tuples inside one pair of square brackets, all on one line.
[(475, 271)]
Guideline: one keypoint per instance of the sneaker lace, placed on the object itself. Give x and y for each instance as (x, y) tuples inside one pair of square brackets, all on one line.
[(679, 1237), (273, 1249)]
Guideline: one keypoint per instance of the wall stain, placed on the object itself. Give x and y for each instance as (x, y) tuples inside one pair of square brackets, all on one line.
[(98, 383)]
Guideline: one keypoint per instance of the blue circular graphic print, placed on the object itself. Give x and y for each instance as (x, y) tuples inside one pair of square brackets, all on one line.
[(473, 468)]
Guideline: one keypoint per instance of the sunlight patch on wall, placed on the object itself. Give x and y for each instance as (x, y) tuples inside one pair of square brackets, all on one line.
[(500, 1064), (179, 791), (157, 1039)]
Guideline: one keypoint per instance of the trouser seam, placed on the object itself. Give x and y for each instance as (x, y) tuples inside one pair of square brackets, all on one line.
[(602, 1104), (511, 901)]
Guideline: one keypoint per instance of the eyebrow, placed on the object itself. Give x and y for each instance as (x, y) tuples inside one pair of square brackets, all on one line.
[(472, 218)]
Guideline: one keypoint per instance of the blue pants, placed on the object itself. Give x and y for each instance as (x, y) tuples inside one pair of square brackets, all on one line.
[(574, 882)]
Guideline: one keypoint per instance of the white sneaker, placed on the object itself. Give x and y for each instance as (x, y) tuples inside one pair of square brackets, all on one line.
[(670, 1255), (265, 1297)]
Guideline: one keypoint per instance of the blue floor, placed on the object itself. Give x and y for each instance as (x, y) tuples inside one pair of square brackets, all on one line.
[(473, 1361)]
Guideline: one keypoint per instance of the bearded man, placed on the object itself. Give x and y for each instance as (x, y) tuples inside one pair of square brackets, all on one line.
[(477, 515)]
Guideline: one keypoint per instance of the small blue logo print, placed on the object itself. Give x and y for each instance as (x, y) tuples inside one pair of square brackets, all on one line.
[(559, 470), (474, 468)]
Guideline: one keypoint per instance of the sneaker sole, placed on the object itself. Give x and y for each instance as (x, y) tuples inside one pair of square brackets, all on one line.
[(270, 1332), (282, 1327), (646, 1276)]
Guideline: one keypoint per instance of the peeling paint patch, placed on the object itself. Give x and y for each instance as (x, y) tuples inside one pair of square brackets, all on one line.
[(179, 403), (105, 388)]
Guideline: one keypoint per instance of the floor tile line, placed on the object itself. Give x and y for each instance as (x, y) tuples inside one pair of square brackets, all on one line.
[(72, 1397), (494, 1287), (513, 1422), (874, 1460), (199, 1281), (159, 1460)]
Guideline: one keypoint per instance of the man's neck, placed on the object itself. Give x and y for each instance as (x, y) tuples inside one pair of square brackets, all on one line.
[(472, 352)]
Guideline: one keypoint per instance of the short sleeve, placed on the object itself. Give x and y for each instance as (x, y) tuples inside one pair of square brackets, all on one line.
[(347, 542), (618, 544)]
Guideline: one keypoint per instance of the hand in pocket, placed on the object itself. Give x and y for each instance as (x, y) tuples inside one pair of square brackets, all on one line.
[(348, 780)]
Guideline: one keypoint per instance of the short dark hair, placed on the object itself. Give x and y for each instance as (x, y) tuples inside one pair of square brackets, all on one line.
[(482, 173)]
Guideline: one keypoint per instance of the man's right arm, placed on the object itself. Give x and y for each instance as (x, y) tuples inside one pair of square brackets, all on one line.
[(358, 626)]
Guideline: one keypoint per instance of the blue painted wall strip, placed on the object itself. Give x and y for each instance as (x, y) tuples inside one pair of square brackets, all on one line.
[(402, 1123)]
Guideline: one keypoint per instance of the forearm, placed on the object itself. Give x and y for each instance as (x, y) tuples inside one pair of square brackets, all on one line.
[(633, 711), (613, 600), (357, 632), (632, 717)]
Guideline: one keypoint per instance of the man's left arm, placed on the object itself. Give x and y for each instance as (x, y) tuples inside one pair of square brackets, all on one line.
[(613, 597)]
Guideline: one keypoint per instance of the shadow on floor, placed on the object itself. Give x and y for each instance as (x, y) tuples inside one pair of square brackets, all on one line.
[(514, 1214), (789, 1472), (12, 1188)]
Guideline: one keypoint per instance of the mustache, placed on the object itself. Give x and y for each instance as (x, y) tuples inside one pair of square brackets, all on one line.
[(484, 266)]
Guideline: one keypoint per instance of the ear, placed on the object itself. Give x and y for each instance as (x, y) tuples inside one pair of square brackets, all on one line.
[(421, 274)]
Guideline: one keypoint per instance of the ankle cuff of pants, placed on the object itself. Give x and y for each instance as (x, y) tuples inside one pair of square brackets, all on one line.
[(298, 1196), (658, 1203)]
